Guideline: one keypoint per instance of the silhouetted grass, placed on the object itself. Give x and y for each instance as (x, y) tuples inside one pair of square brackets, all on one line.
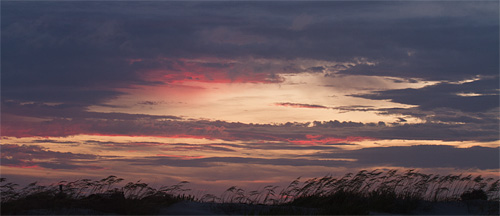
[(381, 191), (132, 199)]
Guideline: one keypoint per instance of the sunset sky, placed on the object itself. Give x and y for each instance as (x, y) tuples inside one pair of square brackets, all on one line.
[(224, 93)]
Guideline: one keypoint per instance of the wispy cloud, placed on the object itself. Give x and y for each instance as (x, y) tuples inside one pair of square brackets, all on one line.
[(301, 105), (436, 156), (424, 156), (37, 156), (446, 95)]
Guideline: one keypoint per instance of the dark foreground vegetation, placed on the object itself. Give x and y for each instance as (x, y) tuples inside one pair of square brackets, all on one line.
[(353, 194)]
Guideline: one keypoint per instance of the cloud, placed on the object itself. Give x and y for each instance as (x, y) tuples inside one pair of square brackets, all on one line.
[(437, 131), (66, 143), (150, 103), (48, 110), (78, 53), (300, 22), (422, 156), (317, 132), (148, 146), (289, 146), (446, 95), (54, 141), (219, 161), (220, 147), (301, 105), (231, 36), (447, 115), (339, 108), (443, 103), (368, 131), (34, 155), (197, 147)]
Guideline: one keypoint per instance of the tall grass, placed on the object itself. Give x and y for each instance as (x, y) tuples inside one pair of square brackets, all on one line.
[(103, 196), (385, 191), (85, 187), (389, 191), (408, 185)]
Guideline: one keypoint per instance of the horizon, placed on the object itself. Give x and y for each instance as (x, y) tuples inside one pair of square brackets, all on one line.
[(247, 93)]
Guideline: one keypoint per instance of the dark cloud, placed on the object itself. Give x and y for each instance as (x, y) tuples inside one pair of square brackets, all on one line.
[(289, 146), (471, 105), (317, 69), (69, 95), (307, 133), (53, 141), (219, 161), (114, 145), (355, 108), (47, 110), (66, 143), (222, 147), (34, 151), (150, 103), (401, 119), (301, 105), (450, 116), (351, 132), (34, 155), (339, 108), (423, 156), (56, 165), (110, 145), (437, 131), (197, 147), (337, 124), (446, 95), (78, 53)]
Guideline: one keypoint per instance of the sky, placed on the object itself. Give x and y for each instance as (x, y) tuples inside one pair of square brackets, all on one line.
[(247, 93)]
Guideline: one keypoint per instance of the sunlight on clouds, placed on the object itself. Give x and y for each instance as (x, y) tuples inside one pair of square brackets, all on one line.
[(139, 147), (254, 102), (398, 142), (122, 146), (464, 94), (278, 166)]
